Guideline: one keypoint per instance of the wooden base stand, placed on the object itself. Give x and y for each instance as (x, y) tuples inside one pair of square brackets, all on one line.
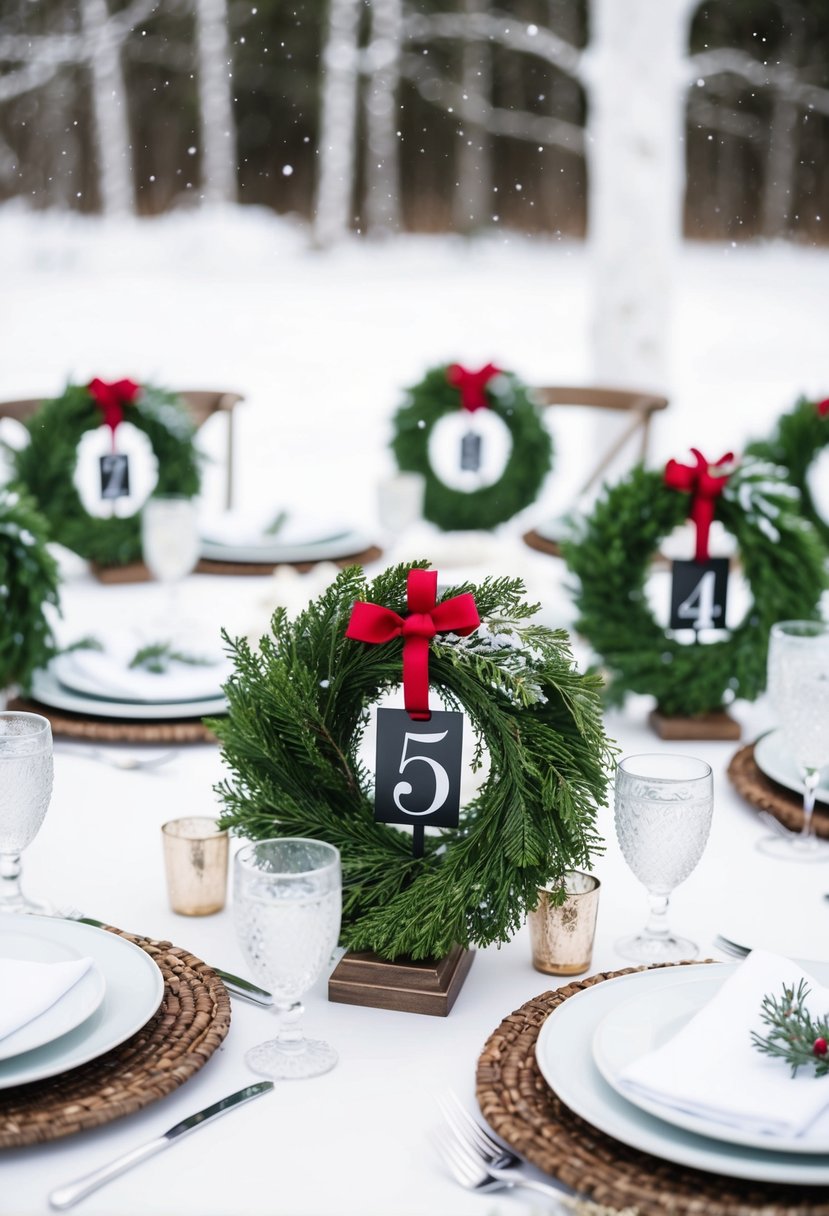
[(135, 572), (429, 986), (719, 725)]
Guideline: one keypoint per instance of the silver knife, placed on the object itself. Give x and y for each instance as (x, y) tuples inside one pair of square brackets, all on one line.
[(234, 983), (67, 1196)]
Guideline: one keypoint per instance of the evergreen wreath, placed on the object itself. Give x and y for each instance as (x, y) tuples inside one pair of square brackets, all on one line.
[(795, 443), (44, 467), (529, 461), (298, 708), (28, 583), (781, 558)]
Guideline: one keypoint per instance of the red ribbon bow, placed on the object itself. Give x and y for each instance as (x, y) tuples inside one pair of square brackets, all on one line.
[(705, 485), (822, 407), (375, 624), (111, 399), (471, 385)]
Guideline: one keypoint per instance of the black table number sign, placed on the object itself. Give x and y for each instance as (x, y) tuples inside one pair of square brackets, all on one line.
[(471, 452), (115, 475), (699, 591), (417, 778)]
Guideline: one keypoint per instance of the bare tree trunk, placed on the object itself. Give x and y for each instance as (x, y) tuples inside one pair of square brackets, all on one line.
[(473, 193), (636, 181), (382, 166), (337, 143), (109, 103), (218, 124), (781, 166)]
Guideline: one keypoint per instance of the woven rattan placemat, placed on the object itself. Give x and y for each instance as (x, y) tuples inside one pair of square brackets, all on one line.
[(363, 558), (519, 1105), (177, 1041), (758, 789), (118, 730)]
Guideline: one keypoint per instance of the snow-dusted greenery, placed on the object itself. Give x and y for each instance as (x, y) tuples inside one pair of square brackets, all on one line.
[(795, 443), (28, 587), (298, 708), (781, 557)]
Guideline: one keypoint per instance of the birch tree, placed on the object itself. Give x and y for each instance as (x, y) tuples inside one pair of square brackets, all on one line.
[(337, 144), (473, 191), (218, 125), (103, 38), (382, 164)]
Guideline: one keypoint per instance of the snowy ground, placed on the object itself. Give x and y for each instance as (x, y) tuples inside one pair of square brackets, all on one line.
[(321, 344)]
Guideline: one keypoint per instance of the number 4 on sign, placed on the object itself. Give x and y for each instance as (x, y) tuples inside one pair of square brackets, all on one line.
[(699, 592), (418, 771)]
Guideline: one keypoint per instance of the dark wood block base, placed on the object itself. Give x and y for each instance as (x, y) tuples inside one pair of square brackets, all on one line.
[(719, 725), (425, 986)]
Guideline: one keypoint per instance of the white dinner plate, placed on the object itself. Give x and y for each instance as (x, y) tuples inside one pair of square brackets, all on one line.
[(74, 1007), (47, 689), (134, 988), (565, 1058), (328, 549), (204, 683), (773, 758), (641, 1024)]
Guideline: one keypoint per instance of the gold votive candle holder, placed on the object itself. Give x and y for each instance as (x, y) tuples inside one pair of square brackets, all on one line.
[(195, 860), (562, 931)]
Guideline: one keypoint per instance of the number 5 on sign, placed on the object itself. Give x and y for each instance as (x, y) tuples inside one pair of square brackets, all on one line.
[(699, 591), (418, 770)]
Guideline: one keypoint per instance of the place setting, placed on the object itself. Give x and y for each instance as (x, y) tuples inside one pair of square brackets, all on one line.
[(258, 541)]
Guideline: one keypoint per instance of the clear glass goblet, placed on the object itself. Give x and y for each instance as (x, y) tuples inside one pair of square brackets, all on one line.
[(170, 540), (25, 790), (798, 685), (664, 805), (287, 896)]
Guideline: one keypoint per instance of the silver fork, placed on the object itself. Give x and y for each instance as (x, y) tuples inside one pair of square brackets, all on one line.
[(126, 763), (730, 948), (480, 1163)]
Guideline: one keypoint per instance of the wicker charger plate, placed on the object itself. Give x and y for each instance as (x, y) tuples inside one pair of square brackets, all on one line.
[(117, 730), (786, 805), (519, 1105), (177, 1041), (363, 558)]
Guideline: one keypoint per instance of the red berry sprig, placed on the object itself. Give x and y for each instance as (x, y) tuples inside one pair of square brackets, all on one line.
[(795, 1036)]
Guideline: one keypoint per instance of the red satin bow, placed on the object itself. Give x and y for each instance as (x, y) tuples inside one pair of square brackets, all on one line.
[(111, 399), (471, 385), (705, 486), (822, 407), (373, 623)]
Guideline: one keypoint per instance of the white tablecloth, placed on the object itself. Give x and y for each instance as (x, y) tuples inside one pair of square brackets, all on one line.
[(355, 1140)]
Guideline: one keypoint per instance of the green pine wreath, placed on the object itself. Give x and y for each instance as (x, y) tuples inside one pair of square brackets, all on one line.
[(28, 586), (529, 461), (44, 468), (796, 441), (298, 708), (782, 562)]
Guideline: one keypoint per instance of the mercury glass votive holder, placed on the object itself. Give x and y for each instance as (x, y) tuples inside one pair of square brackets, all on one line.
[(561, 933), (195, 860)]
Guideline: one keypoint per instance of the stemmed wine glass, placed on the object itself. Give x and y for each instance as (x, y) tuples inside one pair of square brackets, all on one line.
[(287, 904), (798, 684), (25, 790), (664, 805), (170, 540)]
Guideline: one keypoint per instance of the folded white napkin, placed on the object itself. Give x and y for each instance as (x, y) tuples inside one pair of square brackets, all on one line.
[(107, 673), (28, 989), (271, 528), (710, 1067)]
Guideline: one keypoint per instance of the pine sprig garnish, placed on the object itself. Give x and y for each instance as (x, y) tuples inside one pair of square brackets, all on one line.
[(158, 657), (795, 1036)]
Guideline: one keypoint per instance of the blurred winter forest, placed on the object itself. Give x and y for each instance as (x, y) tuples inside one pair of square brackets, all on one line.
[(395, 115)]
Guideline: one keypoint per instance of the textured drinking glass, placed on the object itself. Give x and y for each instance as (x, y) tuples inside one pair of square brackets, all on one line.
[(195, 860), (663, 816), (287, 897), (561, 934), (400, 501), (25, 790), (170, 539), (798, 684)]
